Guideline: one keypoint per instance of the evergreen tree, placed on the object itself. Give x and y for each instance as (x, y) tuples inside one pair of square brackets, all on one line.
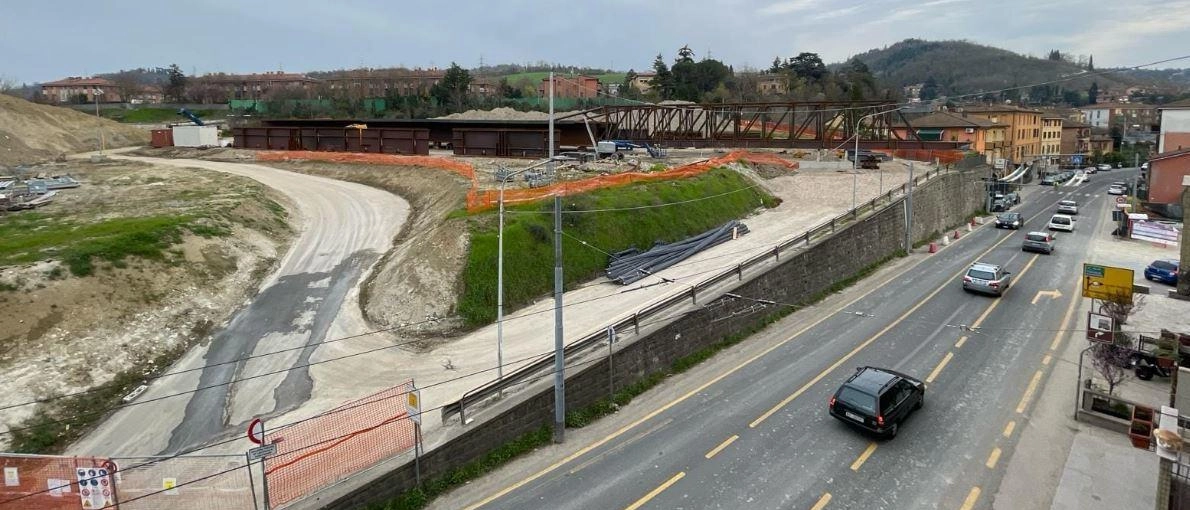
[(1093, 93), (663, 79), (175, 90), (929, 90), (453, 88)]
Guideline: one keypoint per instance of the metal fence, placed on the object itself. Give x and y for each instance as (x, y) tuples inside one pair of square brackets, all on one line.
[(632, 322), (201, 482), (359, 434)]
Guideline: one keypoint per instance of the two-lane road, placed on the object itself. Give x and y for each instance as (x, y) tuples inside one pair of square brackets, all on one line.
[(760, 436)]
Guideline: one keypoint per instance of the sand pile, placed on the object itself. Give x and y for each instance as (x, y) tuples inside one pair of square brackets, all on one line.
[(504, 113), (32, 133)]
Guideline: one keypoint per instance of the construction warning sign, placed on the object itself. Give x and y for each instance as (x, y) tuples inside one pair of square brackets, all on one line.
[(1106, 282), (94, 487)]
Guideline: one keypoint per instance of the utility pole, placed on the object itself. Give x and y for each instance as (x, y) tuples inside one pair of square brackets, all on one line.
[(559, 354), (909, 213)]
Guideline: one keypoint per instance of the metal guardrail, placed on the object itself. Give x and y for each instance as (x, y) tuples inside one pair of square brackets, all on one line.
[(804, 239)]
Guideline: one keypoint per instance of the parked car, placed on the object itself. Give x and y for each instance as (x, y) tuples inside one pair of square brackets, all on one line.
[(1038, 241), (1013, 198), (877, 400), (1011, 220), (1049, 180), (987, 278), (1116, 189), (1104, 166), (1144, 166), (1164, 271), (1090, 170), (1068, 207), (999, 205), (1061, 222)]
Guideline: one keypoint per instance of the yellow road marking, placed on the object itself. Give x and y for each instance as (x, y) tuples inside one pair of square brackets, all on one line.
[(586, 449), (826, 498), (961, 341), (1009, 428), (1065, 318), (1046, 360), (1020, 408), (972, 497), (863, 457), (653, 493), (938, 369), (714, 451), (993, 458), (996, 303)]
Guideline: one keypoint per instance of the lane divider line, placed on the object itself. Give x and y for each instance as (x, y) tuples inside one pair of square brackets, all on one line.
[(959, 344), (653, 493), (1032, 388), (993, 458), (938, 369), (826, 498), (972, 497), (1009, 428), (715, 451), (863, 457), (1046, 360)]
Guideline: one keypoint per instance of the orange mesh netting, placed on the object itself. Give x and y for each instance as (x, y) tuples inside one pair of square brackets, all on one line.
[(363, 158), (478, 200)]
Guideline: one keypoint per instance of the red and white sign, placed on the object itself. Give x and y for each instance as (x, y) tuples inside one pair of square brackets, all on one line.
[(256, 431), (1121, 199)]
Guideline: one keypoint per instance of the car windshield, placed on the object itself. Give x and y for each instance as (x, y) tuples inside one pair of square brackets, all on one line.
[(1161, 264), (1009, 216), (1057, 220), (858, 399), (981, 274), (1037, 237)]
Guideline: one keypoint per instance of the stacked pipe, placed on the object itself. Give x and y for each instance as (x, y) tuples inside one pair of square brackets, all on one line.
[(630, 266)]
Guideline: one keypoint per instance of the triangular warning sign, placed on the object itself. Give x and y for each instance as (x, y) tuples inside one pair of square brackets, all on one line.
[(86, 503)]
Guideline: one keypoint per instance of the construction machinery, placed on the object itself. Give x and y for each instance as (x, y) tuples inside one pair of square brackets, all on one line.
[(190, 115)]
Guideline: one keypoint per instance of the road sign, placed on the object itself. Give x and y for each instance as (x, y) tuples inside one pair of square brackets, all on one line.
[(261, 452), (1076, 159), (413, 404), (1107, 283), (1121, 199), (256, 431), (1100, 328)]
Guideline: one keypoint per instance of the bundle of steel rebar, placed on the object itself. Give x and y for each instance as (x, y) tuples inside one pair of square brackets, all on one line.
[(631, 267)]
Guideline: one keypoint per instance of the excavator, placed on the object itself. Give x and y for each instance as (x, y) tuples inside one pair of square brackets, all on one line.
[(190, 115)]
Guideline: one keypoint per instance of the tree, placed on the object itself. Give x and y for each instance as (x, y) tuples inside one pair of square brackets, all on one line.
[(776, 67), (1093, 93), (1055, 55), (628, 89), (1111, 361), (808, 65), (452, 89), (508, 91), (1091, 63), (929, 89), (663, 80), (127, 84), (175, 89), (685, 54)]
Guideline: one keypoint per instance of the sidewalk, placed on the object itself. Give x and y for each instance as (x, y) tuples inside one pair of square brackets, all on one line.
[(1063, 464)]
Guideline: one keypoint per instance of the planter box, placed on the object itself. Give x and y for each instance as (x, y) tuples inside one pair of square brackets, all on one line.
[(1141, 434), (1165, 362), (1142, 414)]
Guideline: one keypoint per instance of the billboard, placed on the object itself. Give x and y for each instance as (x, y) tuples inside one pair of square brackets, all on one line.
[(1155, 232)]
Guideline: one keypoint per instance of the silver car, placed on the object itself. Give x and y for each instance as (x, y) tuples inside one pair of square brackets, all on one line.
[(1038, 241), (987, 278), (1069, 207)]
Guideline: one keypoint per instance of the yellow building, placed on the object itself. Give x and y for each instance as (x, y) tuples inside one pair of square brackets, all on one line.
[(1051, 136), (1024, 128)]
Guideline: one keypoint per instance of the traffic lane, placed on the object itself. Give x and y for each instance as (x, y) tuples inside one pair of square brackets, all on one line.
[(950, 261), (978, 393)]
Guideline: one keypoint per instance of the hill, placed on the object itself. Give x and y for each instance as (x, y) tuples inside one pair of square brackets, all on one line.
[(961, 67), (31, 133)]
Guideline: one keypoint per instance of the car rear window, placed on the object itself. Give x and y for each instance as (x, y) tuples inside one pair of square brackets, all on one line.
[(858, 399), (1036, 237), (982, 275), (1060, 221), (1161, 264), (1067, 202)]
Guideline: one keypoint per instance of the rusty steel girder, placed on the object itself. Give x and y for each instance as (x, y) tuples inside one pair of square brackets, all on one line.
[(807, 124)]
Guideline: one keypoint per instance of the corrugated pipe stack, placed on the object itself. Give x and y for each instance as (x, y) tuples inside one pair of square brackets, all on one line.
[(631, 265)]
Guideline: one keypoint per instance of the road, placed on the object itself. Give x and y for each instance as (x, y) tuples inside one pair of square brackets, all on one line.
[(343, 228), (758, 434)]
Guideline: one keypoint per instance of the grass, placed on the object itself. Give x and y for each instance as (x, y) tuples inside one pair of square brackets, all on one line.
[(156, 115), (29, 238), (419, 497), (528, 235)]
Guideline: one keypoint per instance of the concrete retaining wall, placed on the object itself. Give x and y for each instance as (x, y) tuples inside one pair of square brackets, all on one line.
[(942, 203)]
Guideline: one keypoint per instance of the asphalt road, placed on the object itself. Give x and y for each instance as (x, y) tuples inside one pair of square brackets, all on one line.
[(760, 437), (342, 229)]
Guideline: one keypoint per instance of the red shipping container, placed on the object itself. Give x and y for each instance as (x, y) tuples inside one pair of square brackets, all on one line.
[(162, 138)]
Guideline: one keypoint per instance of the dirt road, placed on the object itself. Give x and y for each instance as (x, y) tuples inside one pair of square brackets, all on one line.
[(313, 296)]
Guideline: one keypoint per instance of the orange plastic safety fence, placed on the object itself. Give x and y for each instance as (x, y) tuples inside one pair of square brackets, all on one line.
[(352, 437), (944, 157), (55, 482), (457, 167), (478, 200), (198, 482)]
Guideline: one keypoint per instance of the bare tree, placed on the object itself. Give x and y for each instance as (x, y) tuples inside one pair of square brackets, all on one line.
[(1119, 306), (127, 85), (1111, 361), (8, 86)]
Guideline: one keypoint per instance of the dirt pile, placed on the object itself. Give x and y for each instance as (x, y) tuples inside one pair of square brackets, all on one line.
[(32, 133), (504, 114)]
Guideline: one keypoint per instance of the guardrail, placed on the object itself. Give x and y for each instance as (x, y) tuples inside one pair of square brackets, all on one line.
[(634, 321)]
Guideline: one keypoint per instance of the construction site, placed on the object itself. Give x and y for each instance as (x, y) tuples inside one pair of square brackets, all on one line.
[(162, 291)]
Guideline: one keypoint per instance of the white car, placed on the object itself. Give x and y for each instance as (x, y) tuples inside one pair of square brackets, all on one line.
[(1144, 166), (1061, 222), (1068, 207), (1116, 189), (1104, 166)]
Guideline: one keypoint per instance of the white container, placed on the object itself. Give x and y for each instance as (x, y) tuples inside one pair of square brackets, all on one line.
[(196, 136)]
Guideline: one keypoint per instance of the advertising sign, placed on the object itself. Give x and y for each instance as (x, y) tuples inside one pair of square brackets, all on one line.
[(1155, 232)]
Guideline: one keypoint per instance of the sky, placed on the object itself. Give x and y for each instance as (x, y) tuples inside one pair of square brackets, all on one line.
[(45, 41)]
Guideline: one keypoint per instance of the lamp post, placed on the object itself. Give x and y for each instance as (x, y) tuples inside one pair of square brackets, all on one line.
[(95, 93), (855, 157)]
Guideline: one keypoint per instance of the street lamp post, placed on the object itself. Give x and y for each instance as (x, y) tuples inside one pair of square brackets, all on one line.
[(95, 93), (855, 157)]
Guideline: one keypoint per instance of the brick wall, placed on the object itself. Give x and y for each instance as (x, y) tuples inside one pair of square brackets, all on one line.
[(1184, 266), (942, 203)]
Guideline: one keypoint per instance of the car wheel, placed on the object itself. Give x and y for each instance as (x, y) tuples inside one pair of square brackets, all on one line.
[(892, 431), (1149, 278)]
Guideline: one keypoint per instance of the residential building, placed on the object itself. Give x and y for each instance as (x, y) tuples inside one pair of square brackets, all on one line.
[(1174, 127), (483, 87), (1076, 138), (223, 87), (364, 83), (77, 89), (1165, 176), (1101, 144), (643, 82), (985, 136), (1051, 136), (1125, 116), (570, 86), (1023, 127), (771, 84)]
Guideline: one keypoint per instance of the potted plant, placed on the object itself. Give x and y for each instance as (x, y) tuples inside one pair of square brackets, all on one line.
[(1141, 433), (1143, 414)]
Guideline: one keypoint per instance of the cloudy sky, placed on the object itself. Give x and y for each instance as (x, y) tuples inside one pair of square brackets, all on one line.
[(43, 41)]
